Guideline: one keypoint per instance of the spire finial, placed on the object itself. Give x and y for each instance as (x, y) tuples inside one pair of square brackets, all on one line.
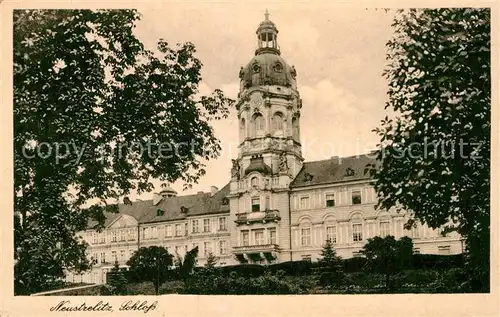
[(266, 15)]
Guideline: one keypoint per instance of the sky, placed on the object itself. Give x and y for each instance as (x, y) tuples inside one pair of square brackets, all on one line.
[(338, 52)]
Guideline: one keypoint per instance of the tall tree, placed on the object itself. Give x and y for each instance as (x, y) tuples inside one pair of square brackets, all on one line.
[(185, 266), (435, 152), (96, 116), (151, 264), (330, 271)]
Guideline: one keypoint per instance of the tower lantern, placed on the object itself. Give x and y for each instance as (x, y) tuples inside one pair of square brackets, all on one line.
[(267, 37)]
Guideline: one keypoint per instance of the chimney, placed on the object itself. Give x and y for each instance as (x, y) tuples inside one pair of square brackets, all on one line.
[(213, 190), (337, 158)]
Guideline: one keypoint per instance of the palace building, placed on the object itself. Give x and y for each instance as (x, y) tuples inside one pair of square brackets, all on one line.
[(276, 207)]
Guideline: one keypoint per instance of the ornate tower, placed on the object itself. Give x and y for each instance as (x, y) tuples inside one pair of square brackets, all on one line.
[(269, 155)]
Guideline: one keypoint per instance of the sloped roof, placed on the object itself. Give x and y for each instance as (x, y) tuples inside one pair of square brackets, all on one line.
[(334, 170), (145, 212)]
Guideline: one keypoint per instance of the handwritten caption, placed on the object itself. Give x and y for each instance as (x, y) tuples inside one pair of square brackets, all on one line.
[(68, 306)]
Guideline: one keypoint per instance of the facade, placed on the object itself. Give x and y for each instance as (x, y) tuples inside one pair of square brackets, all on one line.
[(276, 207)]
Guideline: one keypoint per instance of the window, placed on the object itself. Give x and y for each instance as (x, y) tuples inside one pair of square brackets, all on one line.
[(222, 224), (245, 238), (103, 237), (268, 203), (122, 255), (195, 228), (113, 236), (103, 257), (357, 234), (256, 204), (415, 232), (331, 234), (356, 197), (272, 236), (304, 202), (258, 123), (146, 233), (222, 247), (95, 258), (154, 233), (130, 234), (206, 225), (208, 248), (122, 235), (330, 200), (259, 237), (114, 256), (277, 122), (306, 236), (168, 231), (444, 249), (306, 257), (254, 181), (178, 230), (94, 237), (385, 228)]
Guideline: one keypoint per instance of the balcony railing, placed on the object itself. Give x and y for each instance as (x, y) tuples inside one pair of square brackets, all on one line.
[(258, 216), (255, 248)]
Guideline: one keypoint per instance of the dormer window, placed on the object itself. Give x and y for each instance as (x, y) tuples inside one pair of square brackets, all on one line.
[(308, 177), (349, 172), (225, 201), (160, 212), (184, 209), (256, 68)]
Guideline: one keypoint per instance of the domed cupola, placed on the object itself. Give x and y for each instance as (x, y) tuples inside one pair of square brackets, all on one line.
[(267, 67)]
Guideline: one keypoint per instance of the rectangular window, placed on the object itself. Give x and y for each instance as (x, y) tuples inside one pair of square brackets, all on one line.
[(222, 224), (122, 235), (304, 202), (331, 234), (103, 237), (122, 255), (208, 248), (168, 231), (272, 236), (357, 234), (356, 197), (114, 256), (130, 234), (154, 233), (206, 225), (306, 257), (113, 236), (94, 238), (259, 237), (103, 257), (330, 200), (245, 238), (95, 258), (195, 226), (255, 204), (415, 232), (385, 229), (444, 249), (178, 230), (306, 236), (222, 247)]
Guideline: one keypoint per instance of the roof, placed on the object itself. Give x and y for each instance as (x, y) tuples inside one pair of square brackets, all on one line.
[(334, 170), (144, 211)]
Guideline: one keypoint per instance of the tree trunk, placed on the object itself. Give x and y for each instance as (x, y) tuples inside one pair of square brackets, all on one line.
[(157, 287)]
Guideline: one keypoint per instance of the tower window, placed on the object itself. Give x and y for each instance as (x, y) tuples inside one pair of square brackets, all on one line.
[(278, 67), (256, 204), (277, 122), (256, 68), (254, 181), (258, 123)]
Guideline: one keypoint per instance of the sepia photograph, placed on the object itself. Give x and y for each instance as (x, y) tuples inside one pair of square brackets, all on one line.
[(250, 149)]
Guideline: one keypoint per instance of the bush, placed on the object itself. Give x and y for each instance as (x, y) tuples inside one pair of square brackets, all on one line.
[(435, 261), (244, 270), (292, 268)]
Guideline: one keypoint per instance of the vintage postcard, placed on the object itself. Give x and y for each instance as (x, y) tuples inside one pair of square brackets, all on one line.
[(215, 158)]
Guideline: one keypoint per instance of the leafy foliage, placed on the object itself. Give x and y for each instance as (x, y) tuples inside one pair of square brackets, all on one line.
[(435, 152), (117, 281), (96, 116), (151, 264), (185, 266), (211, 261), (388, 255)]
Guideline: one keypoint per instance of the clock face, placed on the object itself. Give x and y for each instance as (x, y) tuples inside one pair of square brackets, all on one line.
[(256, 100)]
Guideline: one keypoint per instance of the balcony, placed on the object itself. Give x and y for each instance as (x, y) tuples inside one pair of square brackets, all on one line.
[(256, 253), (258, 216)]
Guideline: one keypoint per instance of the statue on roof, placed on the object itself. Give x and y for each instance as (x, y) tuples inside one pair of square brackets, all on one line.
[(235, 169), (283, 166)]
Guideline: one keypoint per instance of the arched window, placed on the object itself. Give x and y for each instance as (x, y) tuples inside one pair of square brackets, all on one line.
[(242, 128), (331, 229), (277, 121), (258, 121), (254, 181), (357, 227)]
